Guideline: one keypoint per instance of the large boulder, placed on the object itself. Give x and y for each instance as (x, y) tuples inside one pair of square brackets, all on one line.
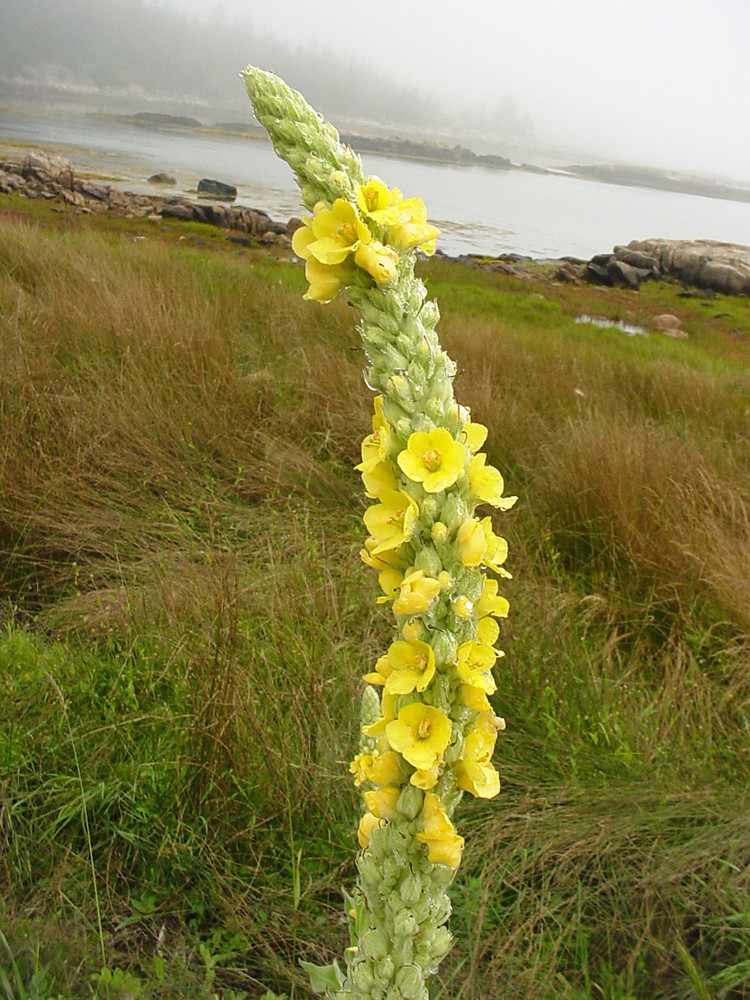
[(47, 169), (723, 267), (216, 189)]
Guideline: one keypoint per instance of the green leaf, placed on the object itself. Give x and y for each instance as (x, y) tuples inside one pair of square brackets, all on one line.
[(324, 978)]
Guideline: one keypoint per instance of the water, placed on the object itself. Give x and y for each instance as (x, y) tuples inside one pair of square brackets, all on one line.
[(603, 323), (479, 210)]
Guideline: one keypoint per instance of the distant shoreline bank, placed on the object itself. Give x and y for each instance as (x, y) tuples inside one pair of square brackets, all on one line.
[(422, 150)]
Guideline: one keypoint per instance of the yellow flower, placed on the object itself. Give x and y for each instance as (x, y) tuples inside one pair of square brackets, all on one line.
[(387, 714), (420, 734), (487, 631), (366, 825), (337, 232), (475, 698), (385, 768), (443, 843), (475, 662), (376, 446), (486, 483), (492, 603), (474, 772), (379, 261), (389, 566), (433, 459), (381, 673), (379, 768), (391, 521), (471, 541), (406, 221), (416, 593), (473, 436), (373, 196), (412, 666), (379, 479), (382, 802), (497, 549), (325, 280), (359, 767), (425, 779)]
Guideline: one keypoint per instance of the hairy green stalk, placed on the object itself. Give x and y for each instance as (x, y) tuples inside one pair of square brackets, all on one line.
[(428, 727)]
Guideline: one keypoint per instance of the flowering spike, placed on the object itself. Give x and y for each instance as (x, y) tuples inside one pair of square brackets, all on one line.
[(428, 728)]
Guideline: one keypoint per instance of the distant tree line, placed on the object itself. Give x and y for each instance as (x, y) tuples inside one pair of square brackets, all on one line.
[(122, 43)]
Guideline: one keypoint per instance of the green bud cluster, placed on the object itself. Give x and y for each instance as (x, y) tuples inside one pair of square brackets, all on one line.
[(325, 168)]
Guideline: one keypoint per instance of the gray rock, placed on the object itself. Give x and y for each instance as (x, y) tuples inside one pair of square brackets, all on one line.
[(162, 178), (99, 192), (11, 182), (177, 211), (637, 259), (217, 215), (722, 267), (597, 274), (665, 321), (48, 169), (570, 273), (622, 275), (727, 278), (217, 189)]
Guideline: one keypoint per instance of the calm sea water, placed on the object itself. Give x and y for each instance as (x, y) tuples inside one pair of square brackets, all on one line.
[(479, 210)]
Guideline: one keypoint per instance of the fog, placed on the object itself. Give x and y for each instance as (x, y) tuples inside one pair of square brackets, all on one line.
[(654, 82)]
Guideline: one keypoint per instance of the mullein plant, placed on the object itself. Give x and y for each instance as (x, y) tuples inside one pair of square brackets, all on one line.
[(429, 729)]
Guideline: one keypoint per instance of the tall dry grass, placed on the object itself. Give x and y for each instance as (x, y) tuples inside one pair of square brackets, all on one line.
[(178, 508)]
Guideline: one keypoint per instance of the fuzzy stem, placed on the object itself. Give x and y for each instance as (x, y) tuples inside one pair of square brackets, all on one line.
[(435, 731)]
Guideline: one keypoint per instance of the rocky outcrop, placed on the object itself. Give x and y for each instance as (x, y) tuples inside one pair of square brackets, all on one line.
[(705, 264), (38, 175), (723, 267)]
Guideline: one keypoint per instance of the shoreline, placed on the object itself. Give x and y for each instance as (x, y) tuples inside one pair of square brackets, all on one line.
[(424, 151), (710, 267)]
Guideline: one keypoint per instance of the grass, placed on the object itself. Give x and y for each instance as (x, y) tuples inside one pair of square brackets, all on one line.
[(185, 619)]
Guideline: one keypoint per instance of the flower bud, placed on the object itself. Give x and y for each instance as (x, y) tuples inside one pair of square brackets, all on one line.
[(435, 410), (429, 313), (413, 629), (409, 981), (405, 924), (384, 972), (410, 802), (403, 427), (441, 909), (441, 943), (362, 976), (339, 183), (373, 944), (444, 647), (463, 607), (410, 888), (439, 531), (429, 508), (428, 561), (454, 512)]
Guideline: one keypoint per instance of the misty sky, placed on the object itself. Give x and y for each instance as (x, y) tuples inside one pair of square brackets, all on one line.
[(660, 82)]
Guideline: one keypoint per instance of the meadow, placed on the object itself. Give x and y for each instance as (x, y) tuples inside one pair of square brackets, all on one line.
[(185, 619)]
